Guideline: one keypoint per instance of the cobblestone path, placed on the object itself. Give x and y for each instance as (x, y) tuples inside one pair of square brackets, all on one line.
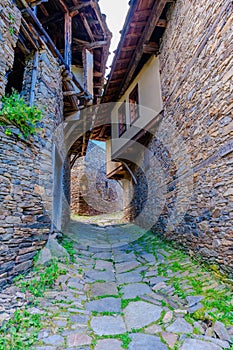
[(144, 295)]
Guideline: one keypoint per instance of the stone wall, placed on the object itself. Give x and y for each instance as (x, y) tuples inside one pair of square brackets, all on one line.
[(91, 192), (190, 153), (27, 168), (49, 98), (10, 19)]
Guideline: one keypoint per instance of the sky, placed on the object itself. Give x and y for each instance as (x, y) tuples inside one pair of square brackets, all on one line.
[(116, 11)]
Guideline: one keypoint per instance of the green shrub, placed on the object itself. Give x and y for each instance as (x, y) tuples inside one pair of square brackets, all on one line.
[(15, 111)]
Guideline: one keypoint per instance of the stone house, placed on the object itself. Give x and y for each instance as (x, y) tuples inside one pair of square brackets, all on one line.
[(91, 192), (169, 138), (54, 53)]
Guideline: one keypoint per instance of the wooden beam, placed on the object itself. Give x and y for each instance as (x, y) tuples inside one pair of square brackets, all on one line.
[(101, 134), (141, 14), (119, 71), (79, 6), (23, 46), (49, 41), (123, 60), (116, 81), (63, 6), (136, 25), (26, 31), (101, 20), (96, 45), (88, 45), (132, 35), (72, 93), (128, 48), (58, 16), (43, 9), (80, 42), (87, 27), (151, 48), (68, 39), (52, 47), (161, 23), (97, 74)]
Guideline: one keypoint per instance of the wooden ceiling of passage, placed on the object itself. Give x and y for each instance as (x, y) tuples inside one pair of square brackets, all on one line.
[(140, 38)]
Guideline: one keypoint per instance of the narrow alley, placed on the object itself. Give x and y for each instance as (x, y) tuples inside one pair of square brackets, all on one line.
[(143, 294)]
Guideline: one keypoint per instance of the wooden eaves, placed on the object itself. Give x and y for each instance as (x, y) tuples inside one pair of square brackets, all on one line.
[(140, 38), (41, 28)]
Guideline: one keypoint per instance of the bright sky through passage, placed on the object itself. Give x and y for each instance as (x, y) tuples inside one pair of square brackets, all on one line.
[(116, 11)]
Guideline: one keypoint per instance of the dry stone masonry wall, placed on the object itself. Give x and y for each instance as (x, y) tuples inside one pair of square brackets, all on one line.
[(92, 193), (10, 19), (26, 172), (196, 78)]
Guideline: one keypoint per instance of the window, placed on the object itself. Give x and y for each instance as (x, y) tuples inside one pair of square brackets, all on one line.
[(133, 105), (16, 74), (122, 119)]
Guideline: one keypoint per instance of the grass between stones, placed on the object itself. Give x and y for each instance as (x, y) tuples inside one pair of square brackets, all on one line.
[(124, 338), (126, 302), (21, 331), (41, 281), (188, 277)]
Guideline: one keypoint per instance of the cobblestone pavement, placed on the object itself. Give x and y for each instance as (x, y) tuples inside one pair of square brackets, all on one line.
[(144, 295)]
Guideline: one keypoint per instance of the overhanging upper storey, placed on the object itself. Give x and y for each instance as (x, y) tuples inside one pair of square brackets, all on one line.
[(76, 32), (140, 39)]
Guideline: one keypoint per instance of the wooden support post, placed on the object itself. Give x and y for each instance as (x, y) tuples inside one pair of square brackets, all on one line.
[(34, 78), (68, 39)]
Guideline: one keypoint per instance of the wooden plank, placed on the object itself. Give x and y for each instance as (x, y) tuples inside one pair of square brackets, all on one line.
[(128, 48), (119, 71), (139, 25), (131, 35), (123, 60), (151, 48), (87, 27), (68, 39), (116, 81), (141, 14)]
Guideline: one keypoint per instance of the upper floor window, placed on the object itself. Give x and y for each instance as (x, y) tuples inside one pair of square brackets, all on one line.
[(122, 119), (133, 105)]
